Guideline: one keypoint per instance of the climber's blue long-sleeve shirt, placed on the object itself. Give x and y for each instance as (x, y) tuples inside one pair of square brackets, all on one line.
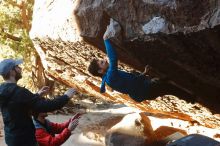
[(136, 86)]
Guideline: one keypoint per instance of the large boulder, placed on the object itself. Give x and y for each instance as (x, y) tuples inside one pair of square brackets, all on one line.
[(179, 39)]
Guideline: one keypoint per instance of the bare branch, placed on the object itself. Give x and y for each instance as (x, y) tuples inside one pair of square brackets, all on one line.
[(14, 38), (24, 16), (10, 36)]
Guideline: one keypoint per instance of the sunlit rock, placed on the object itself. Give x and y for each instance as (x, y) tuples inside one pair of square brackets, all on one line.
[(183, 45)]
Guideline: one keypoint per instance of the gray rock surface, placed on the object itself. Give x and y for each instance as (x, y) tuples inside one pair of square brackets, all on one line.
[(179, 39)]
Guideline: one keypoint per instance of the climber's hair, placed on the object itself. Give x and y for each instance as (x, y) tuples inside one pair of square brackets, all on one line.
[(94, 68)]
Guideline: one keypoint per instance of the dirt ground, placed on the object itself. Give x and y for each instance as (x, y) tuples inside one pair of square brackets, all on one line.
[(101, 117), (92, 126)]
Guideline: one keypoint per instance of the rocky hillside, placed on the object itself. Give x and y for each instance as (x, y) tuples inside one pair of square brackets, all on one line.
[(179, 39)]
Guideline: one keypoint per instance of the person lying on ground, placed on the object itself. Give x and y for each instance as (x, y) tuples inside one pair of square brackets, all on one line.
[(46, 130), (139, 87), (17, 104)]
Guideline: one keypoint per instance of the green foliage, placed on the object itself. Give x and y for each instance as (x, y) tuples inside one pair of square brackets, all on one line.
[(15, 24), (11, 23)]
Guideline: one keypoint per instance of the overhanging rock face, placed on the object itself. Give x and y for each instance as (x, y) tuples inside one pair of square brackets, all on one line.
[(179, 39)]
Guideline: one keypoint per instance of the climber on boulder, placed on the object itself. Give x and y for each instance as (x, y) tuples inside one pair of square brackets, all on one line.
[(139, 87)]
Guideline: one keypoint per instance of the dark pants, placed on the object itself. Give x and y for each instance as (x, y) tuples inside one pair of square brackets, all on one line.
[(163, 87)]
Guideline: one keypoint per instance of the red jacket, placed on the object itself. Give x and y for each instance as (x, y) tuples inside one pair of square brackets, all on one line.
[(45, 134)]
